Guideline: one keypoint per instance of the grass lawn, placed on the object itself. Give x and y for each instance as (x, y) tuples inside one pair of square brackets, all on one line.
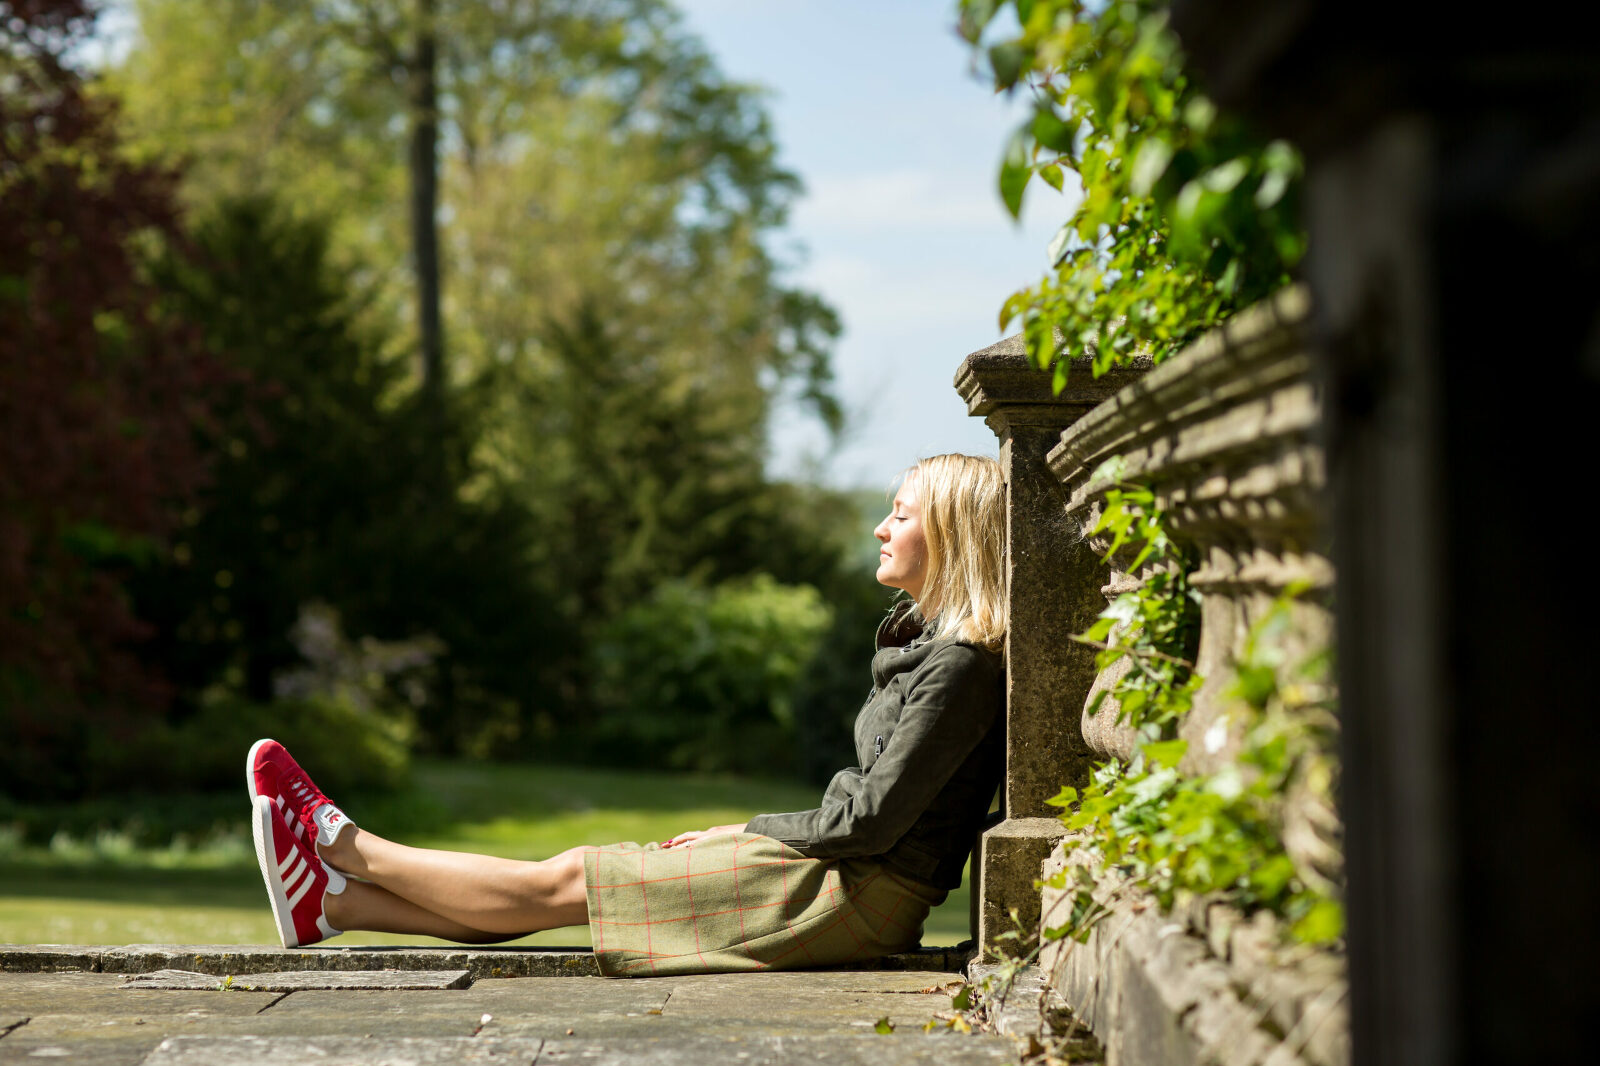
[(108, 892)]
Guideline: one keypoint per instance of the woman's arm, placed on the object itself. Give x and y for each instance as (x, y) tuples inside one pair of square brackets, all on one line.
[(700, 834), (945, 716)]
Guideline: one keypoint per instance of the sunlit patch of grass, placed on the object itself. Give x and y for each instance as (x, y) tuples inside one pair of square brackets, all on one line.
[(106, 889)]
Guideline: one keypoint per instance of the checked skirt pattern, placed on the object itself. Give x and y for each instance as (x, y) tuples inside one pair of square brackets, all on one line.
[(743, 902)]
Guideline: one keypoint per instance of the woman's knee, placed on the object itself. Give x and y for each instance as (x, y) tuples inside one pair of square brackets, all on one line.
[(568, 883)]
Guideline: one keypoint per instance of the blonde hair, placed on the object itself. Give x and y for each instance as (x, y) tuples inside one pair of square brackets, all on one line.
[(963, 522)]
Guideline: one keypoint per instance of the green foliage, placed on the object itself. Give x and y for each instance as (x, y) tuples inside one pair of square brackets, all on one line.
[(99, 396), (315, 498), (1186, 215), (1218, 833), (589, 153), (699, 678), (1154, 627), (617, 323), (363, 748)]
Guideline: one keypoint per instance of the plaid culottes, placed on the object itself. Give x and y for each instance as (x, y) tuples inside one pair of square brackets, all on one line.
[(743, 902)]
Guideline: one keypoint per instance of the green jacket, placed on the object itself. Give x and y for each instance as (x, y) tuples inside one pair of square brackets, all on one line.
[(931, 742)]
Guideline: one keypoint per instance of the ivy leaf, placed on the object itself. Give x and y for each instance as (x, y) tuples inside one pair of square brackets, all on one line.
[(1155, 155), (1166, 753), (962, 1000), (1060, 247), (1012, 308), (1006, 60), (1065, 798), (1324, 922), (1014, 174), (1226, 177), (1050, 131), (975, 15), (884, 1026)]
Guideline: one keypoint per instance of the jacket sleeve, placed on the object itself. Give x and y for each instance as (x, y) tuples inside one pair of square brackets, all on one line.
[(947, 712)]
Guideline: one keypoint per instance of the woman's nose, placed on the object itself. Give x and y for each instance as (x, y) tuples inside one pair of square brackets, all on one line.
[(882, 532)]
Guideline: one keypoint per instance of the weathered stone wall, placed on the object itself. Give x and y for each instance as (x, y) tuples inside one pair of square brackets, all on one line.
[(1225, 434)]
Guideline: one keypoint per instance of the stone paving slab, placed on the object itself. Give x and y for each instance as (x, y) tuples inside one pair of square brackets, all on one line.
[(302, 981), (117, 1019), (125, 1038), (749, 1051), (874, 1050), (928, 980), (97, 1039), (341, 1051), (84, 993), (515, 1007), (596, 995), (224, 959)]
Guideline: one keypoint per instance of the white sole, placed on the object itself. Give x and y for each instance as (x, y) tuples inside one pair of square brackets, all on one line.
[(266, 856), (250, 767)]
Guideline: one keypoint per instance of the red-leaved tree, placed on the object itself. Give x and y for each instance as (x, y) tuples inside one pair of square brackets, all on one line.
[(99, 399)]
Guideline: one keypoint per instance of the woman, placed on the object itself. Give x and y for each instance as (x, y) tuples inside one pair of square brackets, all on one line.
[(851, 879)]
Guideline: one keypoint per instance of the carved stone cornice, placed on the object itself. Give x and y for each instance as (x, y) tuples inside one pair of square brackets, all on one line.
[(1223, 432), (1002, 385)]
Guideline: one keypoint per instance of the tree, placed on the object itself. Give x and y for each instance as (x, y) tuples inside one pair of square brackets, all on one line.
[(314, 497), (617, 322), (309, 98), (100, 394)]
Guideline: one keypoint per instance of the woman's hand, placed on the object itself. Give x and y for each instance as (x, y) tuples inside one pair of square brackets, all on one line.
[(700, 834)]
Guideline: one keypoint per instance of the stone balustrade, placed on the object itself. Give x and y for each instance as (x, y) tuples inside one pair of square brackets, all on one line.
[(1225, 434)]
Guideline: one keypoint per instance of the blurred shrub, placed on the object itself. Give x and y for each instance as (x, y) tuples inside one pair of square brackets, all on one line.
[(346, 746), (318, 492), (168, 782), (702, 678)]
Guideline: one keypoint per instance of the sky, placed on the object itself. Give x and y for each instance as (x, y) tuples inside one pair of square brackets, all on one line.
[(878, 110)]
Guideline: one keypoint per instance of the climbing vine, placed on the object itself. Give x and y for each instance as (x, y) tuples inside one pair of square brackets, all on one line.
[(1186, 213), (1153, 626), (1219, 833)]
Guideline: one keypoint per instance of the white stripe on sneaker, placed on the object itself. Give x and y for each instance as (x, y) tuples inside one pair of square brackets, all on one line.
[(300, 893), (295, 875), (287, 859)]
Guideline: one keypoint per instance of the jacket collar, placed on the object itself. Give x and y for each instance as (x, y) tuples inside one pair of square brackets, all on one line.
[(901, 628)]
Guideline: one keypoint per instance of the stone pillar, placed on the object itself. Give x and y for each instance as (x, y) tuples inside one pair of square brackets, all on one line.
[(1053, 585)]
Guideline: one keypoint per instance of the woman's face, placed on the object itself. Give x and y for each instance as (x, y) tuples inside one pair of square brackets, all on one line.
[(903, 559)]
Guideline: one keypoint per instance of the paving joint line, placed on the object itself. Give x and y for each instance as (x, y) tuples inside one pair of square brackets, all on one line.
[(280, 998)]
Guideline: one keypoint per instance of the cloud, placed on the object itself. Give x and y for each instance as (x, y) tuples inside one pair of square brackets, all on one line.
[(912, 199), (884, 300)]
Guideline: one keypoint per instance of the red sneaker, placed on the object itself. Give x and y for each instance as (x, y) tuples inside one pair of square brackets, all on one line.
[(270, 771), (296, 879)]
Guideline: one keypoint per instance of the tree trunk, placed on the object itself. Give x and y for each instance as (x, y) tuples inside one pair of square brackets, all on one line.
[(422, 89)]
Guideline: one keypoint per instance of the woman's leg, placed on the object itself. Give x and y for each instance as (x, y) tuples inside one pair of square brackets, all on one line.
[(376, 909), (476, 893)]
